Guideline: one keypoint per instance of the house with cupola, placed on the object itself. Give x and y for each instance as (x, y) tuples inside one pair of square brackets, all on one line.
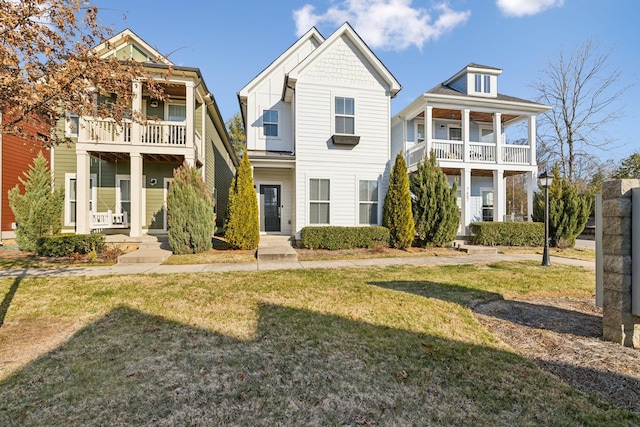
[(467, 123)]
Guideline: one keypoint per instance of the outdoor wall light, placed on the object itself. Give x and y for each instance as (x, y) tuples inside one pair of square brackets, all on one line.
[(545, 180)]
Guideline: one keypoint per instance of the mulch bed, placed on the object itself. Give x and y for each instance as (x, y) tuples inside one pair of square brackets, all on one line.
[(564, 337)]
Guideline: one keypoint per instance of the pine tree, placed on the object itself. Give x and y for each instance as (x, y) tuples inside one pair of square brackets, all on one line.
[(396, 212), (38, 211), (242, 228), (568, 211), (434, 206), (190, 212)]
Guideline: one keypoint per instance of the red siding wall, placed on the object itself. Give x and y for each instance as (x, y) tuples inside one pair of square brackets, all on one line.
[(17, 155)]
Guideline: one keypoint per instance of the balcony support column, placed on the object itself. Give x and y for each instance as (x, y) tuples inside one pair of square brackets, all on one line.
[(191, 108), (136, 195), (531, 179), (83, 216), (499, 195), (497, 135), (136, 111), (532, 140), (465, 201), (465, 134), (428, 129)]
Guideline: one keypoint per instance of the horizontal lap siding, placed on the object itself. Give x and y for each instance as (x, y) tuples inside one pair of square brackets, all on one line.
[(317, 157)]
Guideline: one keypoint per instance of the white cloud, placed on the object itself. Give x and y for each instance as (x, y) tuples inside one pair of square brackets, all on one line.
[(385, 24), (526, 7)]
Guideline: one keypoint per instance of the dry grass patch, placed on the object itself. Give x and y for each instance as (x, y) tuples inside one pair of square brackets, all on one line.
[(381, 346), (572, 253), (374, 252)]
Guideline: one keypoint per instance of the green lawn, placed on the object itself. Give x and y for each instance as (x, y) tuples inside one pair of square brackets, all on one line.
[(382, 346)]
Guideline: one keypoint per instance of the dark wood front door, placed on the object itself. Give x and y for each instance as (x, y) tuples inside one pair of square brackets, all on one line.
[(271, 207)]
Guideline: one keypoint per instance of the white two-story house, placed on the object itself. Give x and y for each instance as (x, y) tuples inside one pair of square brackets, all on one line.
[(318, 133), (464, 122), (116, 176)]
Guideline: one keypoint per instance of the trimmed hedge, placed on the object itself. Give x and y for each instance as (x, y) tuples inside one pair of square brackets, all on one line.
[(333, 237), (507, 233), (58, 245)]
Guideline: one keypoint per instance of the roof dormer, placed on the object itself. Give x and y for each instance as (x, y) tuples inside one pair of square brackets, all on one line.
[(476, 80)]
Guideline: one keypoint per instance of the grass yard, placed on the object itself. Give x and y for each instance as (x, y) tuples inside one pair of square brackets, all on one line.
[(382, 346)]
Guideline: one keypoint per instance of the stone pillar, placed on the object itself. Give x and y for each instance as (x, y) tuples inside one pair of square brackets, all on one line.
[(619, 325)]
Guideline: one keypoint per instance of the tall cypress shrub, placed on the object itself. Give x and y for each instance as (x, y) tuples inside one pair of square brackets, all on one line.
[(190, 212), (568, 211), (38, 211), (434, 205), (242, 227), (396, 211)]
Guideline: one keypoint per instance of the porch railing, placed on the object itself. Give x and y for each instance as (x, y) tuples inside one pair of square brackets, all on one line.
[(108, 130), (109, 219)]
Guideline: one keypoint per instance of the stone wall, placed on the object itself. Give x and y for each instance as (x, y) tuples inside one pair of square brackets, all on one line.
[(619, 324)]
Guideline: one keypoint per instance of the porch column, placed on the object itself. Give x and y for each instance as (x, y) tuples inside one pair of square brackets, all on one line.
[(428, 128), (135, 222), (532, 140), (499, 196), (465, 200), (531, 179), (82, 192), (465, 134), (497, 135), (136, 109), (191, 108)]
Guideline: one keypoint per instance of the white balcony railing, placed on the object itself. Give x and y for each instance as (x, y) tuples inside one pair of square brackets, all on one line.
[(478, 152), (107, 130), (164, 133), (155, 133)]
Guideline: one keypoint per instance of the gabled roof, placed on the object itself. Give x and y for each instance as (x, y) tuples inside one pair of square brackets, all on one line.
[(312, 35), (128, 37), (367, 53)]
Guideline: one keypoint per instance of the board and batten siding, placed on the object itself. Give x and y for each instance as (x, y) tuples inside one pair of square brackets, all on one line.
[(341, 71), (267, 94)]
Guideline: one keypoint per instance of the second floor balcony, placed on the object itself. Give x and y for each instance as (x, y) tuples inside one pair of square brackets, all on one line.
[(152, 132), (470, 152)]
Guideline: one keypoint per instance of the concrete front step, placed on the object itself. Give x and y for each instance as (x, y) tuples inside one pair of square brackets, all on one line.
[(276, 248), (148, 256), (477, 250), (152, 249)]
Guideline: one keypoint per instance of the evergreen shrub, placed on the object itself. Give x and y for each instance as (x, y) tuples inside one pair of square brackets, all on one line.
[(242, 226), (334, 237), (396, 211), (38, 211), (59, 245), (190, 212), (507, 233), (435, 210)]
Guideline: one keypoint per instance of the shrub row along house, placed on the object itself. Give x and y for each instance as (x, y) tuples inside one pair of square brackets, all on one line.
[(320, 138)]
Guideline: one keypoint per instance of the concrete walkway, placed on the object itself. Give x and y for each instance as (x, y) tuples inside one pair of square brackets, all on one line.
[(156, 268)]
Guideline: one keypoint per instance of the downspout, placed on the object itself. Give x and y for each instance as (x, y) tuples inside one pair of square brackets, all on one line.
[(1, 180)]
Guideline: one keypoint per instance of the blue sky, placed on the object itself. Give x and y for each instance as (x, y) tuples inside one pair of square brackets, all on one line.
[(422, 42)]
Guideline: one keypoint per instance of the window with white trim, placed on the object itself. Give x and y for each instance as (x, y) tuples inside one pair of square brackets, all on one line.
[(368, 202), (71, 197), (319, 201), (487, 84), (345, 116), (270, 123), (71, 126), (455, 133), (482, 83), (123, 194)]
